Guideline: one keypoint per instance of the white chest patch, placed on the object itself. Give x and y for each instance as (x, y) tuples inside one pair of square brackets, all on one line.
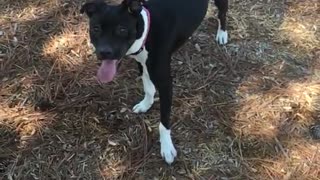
[(148, 86), (139, 42)]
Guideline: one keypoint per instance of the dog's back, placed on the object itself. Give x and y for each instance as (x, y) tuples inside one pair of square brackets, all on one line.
[(176, 19)]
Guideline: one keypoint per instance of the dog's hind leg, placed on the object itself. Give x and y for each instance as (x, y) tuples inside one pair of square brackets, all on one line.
[(222, 34)]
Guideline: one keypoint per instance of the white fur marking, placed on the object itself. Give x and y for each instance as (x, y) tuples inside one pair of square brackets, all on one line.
[(148, 86), (222, 36), (168, 152), (139, 42)]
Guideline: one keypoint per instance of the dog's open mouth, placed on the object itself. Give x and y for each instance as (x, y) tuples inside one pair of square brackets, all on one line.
[(107, 70)]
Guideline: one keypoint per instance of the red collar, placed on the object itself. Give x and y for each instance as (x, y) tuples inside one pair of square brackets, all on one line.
[(148, 29)]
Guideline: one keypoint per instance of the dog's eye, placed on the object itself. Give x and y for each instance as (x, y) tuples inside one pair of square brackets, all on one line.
[(122, 31), (96, 29)]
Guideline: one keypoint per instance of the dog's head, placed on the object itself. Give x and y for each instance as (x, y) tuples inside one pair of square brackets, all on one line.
[(113, 29)]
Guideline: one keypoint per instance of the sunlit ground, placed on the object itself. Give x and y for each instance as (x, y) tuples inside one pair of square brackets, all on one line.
[(300, 25)]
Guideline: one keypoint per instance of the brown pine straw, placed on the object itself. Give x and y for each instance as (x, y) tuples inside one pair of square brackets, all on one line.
[(240, 111)]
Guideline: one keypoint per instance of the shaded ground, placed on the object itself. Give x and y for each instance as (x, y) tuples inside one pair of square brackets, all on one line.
[(242, 111)]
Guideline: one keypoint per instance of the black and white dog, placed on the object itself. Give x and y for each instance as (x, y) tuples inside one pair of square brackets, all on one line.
[(150, 32)]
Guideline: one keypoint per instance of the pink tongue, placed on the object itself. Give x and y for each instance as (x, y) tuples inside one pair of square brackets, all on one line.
[(107, 70)]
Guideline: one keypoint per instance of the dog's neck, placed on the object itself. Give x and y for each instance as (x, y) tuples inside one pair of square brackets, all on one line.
[(139, 43)]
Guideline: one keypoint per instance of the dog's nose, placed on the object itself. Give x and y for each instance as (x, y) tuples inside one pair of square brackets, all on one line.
[(105, 53)]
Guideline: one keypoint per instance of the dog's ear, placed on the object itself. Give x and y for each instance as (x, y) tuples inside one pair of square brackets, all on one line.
[(133, 6), (91, 7)]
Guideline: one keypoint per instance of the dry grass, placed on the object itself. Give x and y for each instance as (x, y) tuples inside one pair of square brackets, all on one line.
[(300, 31), (242, 111)]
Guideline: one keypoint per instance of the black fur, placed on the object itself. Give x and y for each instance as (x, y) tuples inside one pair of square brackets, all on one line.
[(113, 29)]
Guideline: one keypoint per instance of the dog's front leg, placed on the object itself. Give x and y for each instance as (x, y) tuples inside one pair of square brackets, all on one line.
[(148, 86), (163, 83)]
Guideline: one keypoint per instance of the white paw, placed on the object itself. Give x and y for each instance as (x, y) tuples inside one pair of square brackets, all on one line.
[(143, 106), (222, 37), (168, 152)]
